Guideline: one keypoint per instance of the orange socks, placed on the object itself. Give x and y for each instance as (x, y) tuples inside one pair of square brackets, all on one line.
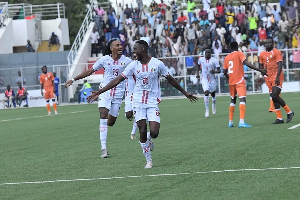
[(231, 111), (287, 109), (48, 108), (242, 110), (278, 113), (54, 106)]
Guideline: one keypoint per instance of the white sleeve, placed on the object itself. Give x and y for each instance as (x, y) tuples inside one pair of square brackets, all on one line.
[(129, 70), (99, 64), (199, 61), (162, 69)]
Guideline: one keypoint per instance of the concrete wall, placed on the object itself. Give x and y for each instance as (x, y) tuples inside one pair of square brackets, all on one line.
[(23, 30), (6, 43)]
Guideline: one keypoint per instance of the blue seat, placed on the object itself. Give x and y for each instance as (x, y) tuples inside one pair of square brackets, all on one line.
[(85, 93)]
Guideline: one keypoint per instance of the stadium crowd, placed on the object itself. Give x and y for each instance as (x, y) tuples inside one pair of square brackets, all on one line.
[(172, 31)]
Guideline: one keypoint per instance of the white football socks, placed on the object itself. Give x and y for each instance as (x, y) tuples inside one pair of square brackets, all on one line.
[(214, 99), (134, 128), (103, 132), (146, 150), (206, 102)]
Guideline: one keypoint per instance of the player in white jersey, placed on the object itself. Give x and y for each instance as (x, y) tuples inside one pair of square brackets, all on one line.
[(109, 102), (210, 66), (146, 93)]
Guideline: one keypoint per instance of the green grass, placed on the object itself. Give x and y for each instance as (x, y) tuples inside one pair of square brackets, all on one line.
[(67, 147)]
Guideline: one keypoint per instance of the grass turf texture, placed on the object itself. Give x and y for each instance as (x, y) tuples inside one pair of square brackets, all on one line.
[(67, 146)]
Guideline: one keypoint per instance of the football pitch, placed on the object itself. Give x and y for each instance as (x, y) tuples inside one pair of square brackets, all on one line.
[(58, 157)]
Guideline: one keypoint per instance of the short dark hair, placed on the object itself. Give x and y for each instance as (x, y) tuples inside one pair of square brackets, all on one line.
[(143, 42), (44, 66), (234, 45), (107, 51)]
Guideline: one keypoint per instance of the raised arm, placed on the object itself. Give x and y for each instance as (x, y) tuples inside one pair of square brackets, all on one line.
[(84, 74), (109, 86)]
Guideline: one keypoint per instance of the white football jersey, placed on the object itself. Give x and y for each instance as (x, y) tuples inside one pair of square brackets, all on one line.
[(147, 86), (207, 66), (129, 85), (112, 68)]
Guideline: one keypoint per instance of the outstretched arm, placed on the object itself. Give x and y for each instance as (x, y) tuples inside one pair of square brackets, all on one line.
[(263, 71), (84, 74), (175, 84), (109, 86)]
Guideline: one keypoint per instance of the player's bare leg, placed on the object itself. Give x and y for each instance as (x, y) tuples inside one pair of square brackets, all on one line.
[(272, 107), (206, 103), (278, 101), (214, 100), (129, 116), (105, 120), (48, 106), (142, 124)]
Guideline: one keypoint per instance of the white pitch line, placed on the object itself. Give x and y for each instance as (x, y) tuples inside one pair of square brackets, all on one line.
[(17, 119), (295, 126), (151, 175)]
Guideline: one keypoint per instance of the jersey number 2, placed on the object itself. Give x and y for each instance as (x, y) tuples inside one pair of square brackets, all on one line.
[(230, 70)]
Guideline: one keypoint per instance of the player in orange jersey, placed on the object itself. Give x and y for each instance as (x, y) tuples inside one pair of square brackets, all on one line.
[(271, 60), (263, 59), (234, 72), (47, 89)]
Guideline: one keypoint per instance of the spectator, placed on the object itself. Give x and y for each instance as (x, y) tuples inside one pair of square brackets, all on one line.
[(100, 11), (203, 22), (211, 14), (162, 7), (194, 19), (276, 14), (217, 48), (154, 7), (242, 48), (240, 18), (230, 18), (252, 24), (262, 13), (220, 8), (221, 33), (174, 11), (171, 70), (140, 4), (202, 12), (281, 39), (9, 96), (98, 23), (248, 6), (296, 58), (232, 29), (283, 25), (56, 85), (21, 95), (94, 41), (239, 8), (262, 33), (115, 32), (54, 40), (136, 16), (182, 18), (29, 47), (191, 38), (85, 85), (253, 43), (291, 12), (268, 8), (20, 79), (107, 29), (206, 4), (190, 9)]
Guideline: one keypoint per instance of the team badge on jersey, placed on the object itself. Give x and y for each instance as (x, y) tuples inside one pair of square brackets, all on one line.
[(137, 71), (108, 63), (122, 63), (152, 70)]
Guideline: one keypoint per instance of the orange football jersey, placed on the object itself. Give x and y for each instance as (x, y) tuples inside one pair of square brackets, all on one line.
[(234, 65), (270, 61), (47, 80)]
